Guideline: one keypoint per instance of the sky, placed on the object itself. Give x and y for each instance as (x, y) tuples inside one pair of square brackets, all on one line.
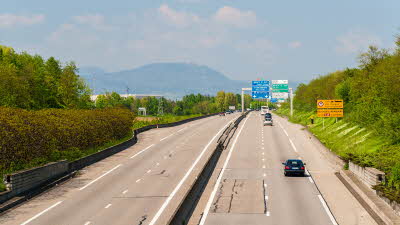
[(245, 40)]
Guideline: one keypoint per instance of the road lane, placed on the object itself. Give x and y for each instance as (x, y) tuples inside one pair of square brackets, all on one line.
[(133, 191), (253, 189)]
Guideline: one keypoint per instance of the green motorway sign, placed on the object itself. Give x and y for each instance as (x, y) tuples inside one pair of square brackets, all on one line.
[(280, 90), (280, 86)]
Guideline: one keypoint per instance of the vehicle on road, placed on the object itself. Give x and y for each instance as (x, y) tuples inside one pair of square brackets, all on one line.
[(228, 112), (268, 121), (294, 166), (268, 115), (221, 114), (264, 110)]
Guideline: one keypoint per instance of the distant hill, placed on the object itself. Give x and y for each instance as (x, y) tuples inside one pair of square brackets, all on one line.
[(172, 80)]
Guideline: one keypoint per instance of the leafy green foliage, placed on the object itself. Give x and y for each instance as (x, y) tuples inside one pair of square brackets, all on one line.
[(371, 94), (35, 137), (30, 82)]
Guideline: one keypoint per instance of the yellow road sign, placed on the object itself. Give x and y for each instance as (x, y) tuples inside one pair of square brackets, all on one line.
[(330, 104), (330, 112)]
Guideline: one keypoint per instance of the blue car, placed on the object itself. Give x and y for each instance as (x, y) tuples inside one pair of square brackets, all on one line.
[(294, 166)]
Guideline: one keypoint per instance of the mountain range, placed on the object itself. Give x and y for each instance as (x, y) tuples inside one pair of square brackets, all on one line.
[(173, 80)]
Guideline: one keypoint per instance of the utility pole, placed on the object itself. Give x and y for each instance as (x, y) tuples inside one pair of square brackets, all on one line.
[(291, 101)]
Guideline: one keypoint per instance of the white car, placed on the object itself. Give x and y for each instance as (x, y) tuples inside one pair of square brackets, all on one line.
[(268, 121)]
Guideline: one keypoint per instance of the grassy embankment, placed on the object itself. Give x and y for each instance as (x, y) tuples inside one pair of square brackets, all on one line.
[(348, 140), (145, 121)]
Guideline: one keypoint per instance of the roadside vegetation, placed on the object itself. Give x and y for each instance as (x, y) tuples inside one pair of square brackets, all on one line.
[(369, 134)]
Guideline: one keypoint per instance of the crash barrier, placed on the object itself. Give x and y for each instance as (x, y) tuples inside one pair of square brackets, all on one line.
[(192, 196), (368, 175), (25, 184)]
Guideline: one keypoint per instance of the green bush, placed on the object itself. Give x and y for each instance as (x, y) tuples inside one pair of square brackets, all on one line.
[(36, 137)]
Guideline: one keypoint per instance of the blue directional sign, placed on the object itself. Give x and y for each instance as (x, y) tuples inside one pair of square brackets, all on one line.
[(259, 95), (260, 88), (273, 100)]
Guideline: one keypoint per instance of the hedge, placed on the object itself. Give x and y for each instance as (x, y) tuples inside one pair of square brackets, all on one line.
[(44, 135)]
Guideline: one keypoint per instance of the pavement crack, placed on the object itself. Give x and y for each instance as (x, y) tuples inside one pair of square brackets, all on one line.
[(142, 219), (233, 192), (218, 197)]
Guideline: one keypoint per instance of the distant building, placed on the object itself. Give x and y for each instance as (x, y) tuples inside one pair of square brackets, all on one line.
[(138, 96)]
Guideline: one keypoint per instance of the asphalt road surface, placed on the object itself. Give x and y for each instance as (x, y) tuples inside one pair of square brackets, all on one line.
[(145, 183), (136, 186), (249, 186)]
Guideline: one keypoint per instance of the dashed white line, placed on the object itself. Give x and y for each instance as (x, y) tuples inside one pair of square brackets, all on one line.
[(265, 185), (327, 210), (266, 197), (157, 164), (264, 175), (87, 223), (263, 159), (263, 166), (182, 129), (124, 192), (214, 192), (107, 206), (141, 151), (138, 180), (41, 213), (148, 171), (169, 198), (293, 146), (268, 213), (166, 137), (99, 177), (262, 153)]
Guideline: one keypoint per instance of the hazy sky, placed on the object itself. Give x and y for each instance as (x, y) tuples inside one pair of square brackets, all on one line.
[(244, 39)]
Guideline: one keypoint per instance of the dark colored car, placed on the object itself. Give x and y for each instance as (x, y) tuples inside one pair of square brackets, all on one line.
[(268, 116), (294, 166), (221, 114)]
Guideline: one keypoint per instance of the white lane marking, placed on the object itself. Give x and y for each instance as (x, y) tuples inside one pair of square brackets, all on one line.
[(41, 213), (327, 210), (262, 148), (87, 223), (141, 151), (268, 213), (124, 192), (138, 180), (182, 129), (264, 175), (214, 192), (262, 153), (285, 132), (263, 159), (309, 176), (166, 137), (148, 171), (265, 185), (266, 197), (107, 206), (263, 166), (165, 204), (99, 177), (157, 164), (294, 147)]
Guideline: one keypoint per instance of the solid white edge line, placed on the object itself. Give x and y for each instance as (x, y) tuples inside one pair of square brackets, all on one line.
[(142, 151), (293, 146), (268, 213), (327, 210), (99, 177), (169, 198), (214, 192), (285, 132), (41, 213)]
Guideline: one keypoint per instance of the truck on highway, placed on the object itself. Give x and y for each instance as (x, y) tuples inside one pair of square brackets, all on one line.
[(264, 110)]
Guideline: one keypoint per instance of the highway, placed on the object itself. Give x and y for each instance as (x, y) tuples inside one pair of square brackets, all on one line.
[(249, 187), (130, 187), (145, 183)]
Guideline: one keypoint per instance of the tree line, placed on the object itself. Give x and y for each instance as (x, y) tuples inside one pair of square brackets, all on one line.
[(371, 93)]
